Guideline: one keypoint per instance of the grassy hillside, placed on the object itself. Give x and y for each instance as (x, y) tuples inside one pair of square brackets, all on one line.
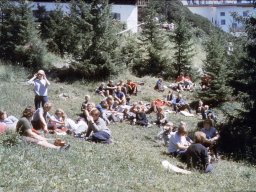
[(131, 163)]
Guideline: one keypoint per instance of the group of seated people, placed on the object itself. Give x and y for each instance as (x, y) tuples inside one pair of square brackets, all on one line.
[(128, 88), (115, 106), (198, 154)]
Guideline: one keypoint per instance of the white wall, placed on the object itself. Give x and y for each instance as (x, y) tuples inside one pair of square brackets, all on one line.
[(129, 13), (213, 14)]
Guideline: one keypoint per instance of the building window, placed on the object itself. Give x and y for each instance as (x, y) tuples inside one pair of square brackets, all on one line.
[(116, 16), (222, 13), (245, 14), (223, 22), (234, 25)]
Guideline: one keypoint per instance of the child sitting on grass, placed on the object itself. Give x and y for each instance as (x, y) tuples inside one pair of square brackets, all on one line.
[(165, 133), (197, 154), (141, 118), (97, 129), (24, 129), (161, 119)]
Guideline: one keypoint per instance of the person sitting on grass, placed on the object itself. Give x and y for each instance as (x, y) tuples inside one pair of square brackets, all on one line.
[(179, 104), (170, 98), (180, 82), (165, 134), (86, 101), (57, 121), (132, 88), (24, 129), (178, 142), (101, 90), (41, 117), (205, 82), (110, 89), (197, 154), (141, 118), (123, 87), (119, 96), (187, 83), (97, 129), (161, 119), (159, 85), (212, 137), (9, 121)]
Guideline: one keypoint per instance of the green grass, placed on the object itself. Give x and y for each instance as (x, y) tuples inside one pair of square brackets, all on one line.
[(132, 163)]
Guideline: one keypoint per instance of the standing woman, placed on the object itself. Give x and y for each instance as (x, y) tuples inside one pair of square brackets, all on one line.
[(41, 84)]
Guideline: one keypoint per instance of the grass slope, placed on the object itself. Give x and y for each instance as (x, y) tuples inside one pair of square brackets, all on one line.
[(132, 163)]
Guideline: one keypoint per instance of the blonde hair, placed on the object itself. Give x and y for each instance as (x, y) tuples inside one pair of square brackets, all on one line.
[(182, 129), (200, 137), (95, 111)]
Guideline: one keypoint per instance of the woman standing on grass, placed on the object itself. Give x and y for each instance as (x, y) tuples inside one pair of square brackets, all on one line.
[(41, 84), (24, 129)]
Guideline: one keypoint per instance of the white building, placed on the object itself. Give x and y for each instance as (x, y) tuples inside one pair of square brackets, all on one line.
[(219, 12), (126, 11)]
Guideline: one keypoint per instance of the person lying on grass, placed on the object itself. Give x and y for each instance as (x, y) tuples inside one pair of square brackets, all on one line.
[(97, 129), (9, 121), (24, 129), (197, 154)]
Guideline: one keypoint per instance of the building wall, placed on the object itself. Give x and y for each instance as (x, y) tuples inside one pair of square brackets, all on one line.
[(221, 15), (128, 13)]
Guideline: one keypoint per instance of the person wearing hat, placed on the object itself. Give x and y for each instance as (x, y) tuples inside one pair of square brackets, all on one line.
[(41, 84)]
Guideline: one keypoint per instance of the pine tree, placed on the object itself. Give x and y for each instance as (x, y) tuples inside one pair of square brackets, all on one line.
[(21, 37), (183, 47), (153, 43), (100, 58), (240, 131), (216, 66), (58, 31)]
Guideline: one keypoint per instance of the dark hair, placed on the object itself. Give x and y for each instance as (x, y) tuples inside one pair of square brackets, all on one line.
[(28, 111), (208, 121)]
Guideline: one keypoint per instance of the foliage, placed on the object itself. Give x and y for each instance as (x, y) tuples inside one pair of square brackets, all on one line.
[(216, 67), (183, 47), (58, 30), (172, 9), (242, 128), (20, 40), (152, 42)]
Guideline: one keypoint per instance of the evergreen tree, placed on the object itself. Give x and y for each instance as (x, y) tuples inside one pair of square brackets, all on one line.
[(152, 41), (183, 47), (216, 66), (240, 132), (58, 31), (21, 37), (101, 57)]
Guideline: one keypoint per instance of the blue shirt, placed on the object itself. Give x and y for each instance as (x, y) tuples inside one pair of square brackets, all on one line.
[(210, 133)]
